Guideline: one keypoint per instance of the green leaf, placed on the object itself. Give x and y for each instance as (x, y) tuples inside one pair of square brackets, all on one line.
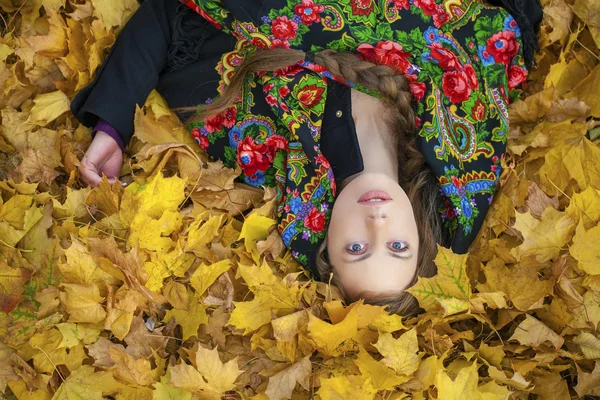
[(362, 33), (449, 288), (384, 32)]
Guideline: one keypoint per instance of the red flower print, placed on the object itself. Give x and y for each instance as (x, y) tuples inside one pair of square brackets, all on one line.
[(310, 95), (284, 106), (229, 117), (417, 89), (252, 157), (274, 143), (196, 132), (214, 123), (516, 76), (495, 159), (456, 86), (471, 76), (440, 17), (271, 100), (401, 4), (289, 70), (284, 28), (309, 11), (202, 141), (478, 111), (445, 58), (284, 91), (315, 221), (267, 87), (503, 46), (449, 208), (417, 122), (386, 53), (428, 6), (322, 160), (362, 7), (278, 43)]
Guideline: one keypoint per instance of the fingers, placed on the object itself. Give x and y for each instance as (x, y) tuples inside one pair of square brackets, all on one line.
[(89, 172)]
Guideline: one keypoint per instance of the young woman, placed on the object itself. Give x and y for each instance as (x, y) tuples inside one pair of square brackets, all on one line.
[(377, 121)]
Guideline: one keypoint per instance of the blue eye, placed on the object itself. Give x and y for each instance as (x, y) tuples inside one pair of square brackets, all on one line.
[(357, 248), (398, 246)]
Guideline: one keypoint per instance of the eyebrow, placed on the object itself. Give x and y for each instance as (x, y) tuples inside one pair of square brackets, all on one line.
[(361, 258)]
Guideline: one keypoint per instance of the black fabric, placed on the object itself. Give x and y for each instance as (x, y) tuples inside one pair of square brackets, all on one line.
[(144, 58), (149, 53)]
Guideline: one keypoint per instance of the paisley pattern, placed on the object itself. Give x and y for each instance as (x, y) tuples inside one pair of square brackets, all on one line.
[(463, 60)]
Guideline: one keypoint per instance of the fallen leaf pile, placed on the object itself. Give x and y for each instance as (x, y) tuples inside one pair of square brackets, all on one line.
[(179, 287)]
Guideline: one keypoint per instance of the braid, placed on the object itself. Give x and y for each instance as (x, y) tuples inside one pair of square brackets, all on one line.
[(378, 78), (395, 89), (382, 79)]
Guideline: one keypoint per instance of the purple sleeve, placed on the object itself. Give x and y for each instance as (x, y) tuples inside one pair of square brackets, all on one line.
[(107, 128)]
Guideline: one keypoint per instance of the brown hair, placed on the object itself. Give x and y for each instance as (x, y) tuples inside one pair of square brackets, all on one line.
[(414, 177)]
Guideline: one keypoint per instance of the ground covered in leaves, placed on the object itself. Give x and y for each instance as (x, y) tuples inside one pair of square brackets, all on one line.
[(177, 287)]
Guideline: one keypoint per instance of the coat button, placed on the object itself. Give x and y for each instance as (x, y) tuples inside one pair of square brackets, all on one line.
[(338, 113)]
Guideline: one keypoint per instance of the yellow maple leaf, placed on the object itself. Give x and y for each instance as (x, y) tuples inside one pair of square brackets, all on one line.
[(464, 386), (543, 238), (79, 266), (164, 264), (519, 283), (572, 158), (48, 107), (158, 195), (255, 228), (85, 383), (381, 376), (114, 12), (333, 340), (164, 391), (449, 288), (191, 318), (82, 302), (346, 387), (585, 207), (11, 286), (586, 89), (202, 232), (584, 249), (211, 377), (12, 210), (129, 369), (400, 354), (206, 275), (271, 296)]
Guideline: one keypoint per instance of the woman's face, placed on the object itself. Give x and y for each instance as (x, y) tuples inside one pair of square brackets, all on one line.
[(373, 237)]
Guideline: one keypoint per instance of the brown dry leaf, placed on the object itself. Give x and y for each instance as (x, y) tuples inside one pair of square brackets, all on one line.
[(532, 332), (588, 384), (282, 384), (519, 283), (543, 238)]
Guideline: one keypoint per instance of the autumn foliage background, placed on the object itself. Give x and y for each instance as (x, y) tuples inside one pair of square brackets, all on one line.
[(178, 286)]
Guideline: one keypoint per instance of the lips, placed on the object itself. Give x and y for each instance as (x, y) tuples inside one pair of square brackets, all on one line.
[(375, 198)]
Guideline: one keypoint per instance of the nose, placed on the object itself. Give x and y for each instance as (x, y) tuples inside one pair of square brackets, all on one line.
[(377, 219)]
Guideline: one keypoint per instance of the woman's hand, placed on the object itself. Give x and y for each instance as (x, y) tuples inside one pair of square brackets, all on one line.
[(104, 156)]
